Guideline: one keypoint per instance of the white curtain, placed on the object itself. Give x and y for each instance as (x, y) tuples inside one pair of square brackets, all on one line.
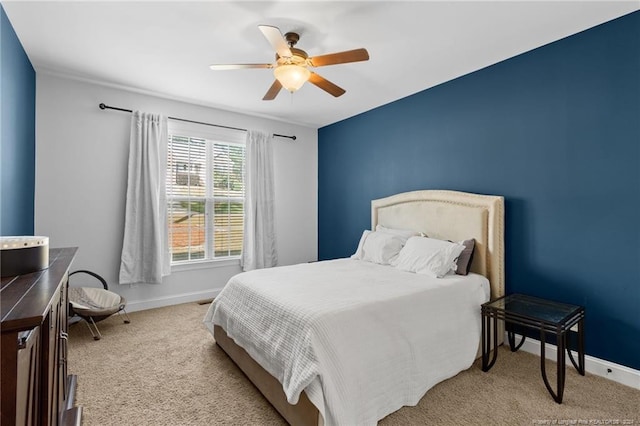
[(259, 240), (145, 249)]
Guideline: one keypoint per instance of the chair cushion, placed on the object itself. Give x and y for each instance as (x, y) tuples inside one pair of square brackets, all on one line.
[(94, 301)]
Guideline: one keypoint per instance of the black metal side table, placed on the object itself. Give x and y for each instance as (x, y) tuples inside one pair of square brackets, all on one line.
[(543, 315)]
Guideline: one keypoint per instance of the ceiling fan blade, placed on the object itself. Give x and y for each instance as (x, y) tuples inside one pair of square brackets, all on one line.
[(326, 85), (273, 91), (276, 39), (225, 67), (355, 55)]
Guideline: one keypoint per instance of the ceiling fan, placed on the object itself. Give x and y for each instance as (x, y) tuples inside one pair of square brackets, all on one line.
[(291, 68)]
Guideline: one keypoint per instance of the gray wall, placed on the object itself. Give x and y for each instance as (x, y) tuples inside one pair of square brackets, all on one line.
[(81, 172)]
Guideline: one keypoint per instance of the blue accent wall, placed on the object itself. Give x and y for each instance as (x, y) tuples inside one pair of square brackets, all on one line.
[(556, 131), (18, 115)]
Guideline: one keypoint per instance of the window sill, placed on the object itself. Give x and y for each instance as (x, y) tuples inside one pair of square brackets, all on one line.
[(205, 264)]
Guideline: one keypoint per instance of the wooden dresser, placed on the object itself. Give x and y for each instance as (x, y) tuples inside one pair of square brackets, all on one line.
[(35, 387)]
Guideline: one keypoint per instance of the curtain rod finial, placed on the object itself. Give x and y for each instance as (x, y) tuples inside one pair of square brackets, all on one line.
[(102, 106)]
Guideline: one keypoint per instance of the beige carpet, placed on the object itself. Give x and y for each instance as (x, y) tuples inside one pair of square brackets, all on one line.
[(165, 369)]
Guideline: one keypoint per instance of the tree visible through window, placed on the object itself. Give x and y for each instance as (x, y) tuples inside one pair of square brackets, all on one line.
[(205, 191)]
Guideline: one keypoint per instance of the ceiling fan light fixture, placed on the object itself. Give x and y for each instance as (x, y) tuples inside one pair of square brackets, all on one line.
[(290, 66), (292, 77)]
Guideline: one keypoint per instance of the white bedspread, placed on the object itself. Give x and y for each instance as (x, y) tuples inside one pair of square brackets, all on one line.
[(361, 339)]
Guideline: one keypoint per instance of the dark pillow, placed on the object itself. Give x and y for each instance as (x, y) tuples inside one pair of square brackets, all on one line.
[(466, 257)]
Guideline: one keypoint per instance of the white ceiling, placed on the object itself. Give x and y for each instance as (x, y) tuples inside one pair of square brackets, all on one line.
[(165, 48)]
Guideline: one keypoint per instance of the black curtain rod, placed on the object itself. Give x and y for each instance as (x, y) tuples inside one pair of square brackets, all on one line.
[(103, 106)]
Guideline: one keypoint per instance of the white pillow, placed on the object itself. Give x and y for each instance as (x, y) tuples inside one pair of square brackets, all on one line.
[(405, 234), (358, 254), (382, 248), (428, 256)]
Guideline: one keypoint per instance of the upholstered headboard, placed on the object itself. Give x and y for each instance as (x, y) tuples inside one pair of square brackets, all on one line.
[(455, 216)]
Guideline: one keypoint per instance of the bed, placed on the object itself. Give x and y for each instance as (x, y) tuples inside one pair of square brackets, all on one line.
[(347, 341)]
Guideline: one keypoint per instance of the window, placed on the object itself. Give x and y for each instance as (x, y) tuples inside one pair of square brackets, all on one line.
[(205, 194)]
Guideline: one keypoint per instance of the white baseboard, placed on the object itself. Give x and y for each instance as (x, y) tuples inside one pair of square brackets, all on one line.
[(141, 305), (609, 370)]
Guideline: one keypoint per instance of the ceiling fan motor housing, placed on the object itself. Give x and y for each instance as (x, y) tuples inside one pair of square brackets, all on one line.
[(299, 57)]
